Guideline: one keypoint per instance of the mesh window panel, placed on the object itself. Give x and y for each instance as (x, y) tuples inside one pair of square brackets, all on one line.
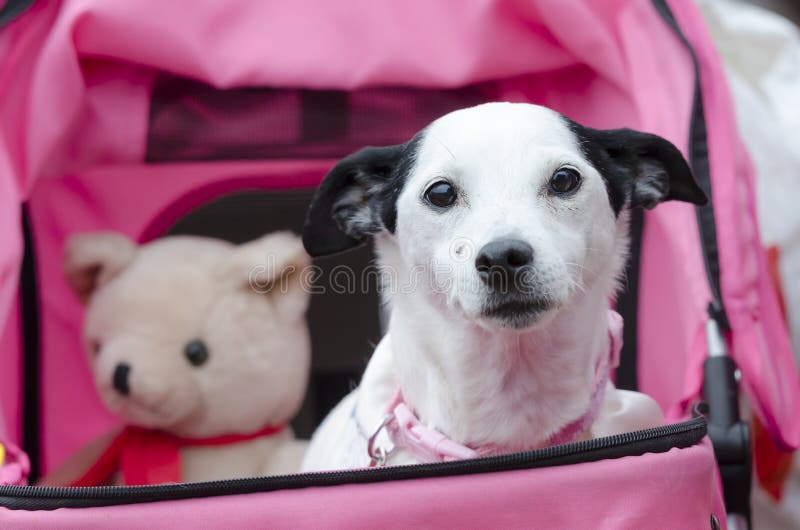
[(193, 121)]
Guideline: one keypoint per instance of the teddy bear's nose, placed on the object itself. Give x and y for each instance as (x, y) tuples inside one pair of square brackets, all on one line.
[(121, 373)]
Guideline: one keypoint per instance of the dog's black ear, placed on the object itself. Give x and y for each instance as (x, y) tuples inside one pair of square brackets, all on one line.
[(357, 199), (640, 169)]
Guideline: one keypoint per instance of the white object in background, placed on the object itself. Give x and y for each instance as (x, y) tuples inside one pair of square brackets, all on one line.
[(761, 52)]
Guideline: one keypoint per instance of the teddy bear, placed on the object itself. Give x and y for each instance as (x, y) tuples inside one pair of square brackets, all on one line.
[(201, 347)]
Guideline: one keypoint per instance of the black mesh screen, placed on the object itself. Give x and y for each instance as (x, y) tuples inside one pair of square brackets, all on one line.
[(193, 121)]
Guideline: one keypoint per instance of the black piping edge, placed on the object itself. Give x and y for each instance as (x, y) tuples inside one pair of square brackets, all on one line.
[(12, 10), (31, 349), (698, 158), (628, 307), (656, 440)]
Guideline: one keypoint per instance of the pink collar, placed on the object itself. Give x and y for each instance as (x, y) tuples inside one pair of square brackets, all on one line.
[(429, 445)]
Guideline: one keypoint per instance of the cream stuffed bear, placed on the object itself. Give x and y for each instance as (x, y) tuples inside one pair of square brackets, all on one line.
[(201, 347)]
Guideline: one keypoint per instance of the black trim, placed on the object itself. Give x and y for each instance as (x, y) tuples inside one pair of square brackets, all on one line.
[(729, 435), (31, 349), (628, 308), (12, 10), (698, 158), (656, 440), (324, 115), (191, 120)]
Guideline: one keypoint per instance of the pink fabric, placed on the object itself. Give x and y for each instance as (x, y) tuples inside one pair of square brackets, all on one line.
[(19, 44), (15, 466), (760, 342), (676, 489), (763, 347), (76, 78), (10, 376), (10, 340), (77, 203)]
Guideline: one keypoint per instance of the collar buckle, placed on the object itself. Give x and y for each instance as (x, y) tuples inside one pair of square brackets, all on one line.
[(379, 455)]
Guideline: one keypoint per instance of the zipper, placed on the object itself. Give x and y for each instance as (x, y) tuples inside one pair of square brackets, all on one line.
[(655, 440)]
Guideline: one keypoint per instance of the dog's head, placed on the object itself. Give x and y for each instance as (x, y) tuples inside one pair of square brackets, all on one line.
[(510, 209)]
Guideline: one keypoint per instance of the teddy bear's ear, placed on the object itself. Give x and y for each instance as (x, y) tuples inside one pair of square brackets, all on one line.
[(92, 259), (275, 265)]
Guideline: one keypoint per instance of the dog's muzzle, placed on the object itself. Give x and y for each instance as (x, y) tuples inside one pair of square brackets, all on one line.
[(506, 267)]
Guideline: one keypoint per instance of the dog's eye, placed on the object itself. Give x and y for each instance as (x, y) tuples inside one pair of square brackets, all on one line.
[(196, 351), (441, 194), (564, 180), (96, 347)]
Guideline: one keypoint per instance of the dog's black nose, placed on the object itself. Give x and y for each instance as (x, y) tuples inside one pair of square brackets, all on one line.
[(499, 262), (121, 375)]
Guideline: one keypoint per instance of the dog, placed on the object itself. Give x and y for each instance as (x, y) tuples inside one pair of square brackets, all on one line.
[(505, 226)]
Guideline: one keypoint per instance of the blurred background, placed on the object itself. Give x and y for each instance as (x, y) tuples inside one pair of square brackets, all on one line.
[(759, 42)]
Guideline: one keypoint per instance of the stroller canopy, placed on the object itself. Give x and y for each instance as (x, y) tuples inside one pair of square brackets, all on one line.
[(95, 114)]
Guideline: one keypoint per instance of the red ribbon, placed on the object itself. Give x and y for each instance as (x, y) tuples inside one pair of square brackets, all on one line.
[(146, 456)]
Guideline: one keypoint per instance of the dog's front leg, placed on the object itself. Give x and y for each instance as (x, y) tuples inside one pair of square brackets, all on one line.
[(625, 411)]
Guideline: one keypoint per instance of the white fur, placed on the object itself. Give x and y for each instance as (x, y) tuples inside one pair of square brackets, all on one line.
[(475, 378)]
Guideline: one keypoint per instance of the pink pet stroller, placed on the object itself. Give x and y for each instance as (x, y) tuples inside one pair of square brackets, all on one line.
[(219, 118)]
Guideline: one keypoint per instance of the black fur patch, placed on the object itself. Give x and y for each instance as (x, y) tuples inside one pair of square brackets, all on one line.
[(639, 169), (358, 198)]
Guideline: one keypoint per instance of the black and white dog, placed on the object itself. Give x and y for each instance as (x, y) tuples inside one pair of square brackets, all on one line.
[(509, 222)]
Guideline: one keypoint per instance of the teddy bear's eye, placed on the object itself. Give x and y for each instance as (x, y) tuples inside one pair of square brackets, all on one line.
[(197, 352), (96, 347)]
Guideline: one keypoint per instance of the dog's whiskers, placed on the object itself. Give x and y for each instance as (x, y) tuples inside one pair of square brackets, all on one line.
[(442, 144), (576, 285), (587, 269)]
